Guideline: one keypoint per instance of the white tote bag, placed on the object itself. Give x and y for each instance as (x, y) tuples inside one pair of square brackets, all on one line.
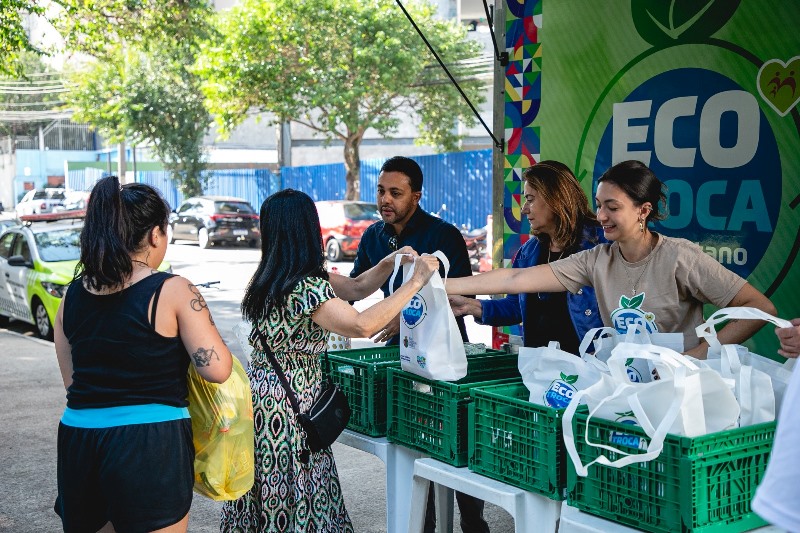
[(554, 376), (687, 400), (760, 382), (604, 340), (430, 341)]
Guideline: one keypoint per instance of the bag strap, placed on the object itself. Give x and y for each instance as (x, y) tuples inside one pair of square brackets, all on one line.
[(398, 258), (279, 371), (282, 377), (708, 332)]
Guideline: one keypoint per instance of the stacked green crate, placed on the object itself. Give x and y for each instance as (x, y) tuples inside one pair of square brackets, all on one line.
[(431, 416), (361, 374), (516, 441), (697, 484)]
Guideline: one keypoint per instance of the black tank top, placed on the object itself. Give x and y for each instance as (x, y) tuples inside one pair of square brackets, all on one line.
[(117, 356)]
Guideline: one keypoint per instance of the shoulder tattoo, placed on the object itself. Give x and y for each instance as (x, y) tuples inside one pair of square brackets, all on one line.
[(198, 303)]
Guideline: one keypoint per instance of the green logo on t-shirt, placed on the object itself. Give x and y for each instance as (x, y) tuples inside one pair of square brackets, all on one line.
[(630, 312)]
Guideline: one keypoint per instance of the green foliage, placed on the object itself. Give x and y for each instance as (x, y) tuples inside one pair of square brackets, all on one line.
[(339, 67), (147, 98), (98, 27), (139, 89), (13, 37)]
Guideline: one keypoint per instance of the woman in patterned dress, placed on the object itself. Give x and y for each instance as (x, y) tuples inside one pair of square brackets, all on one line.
[(291, 300)]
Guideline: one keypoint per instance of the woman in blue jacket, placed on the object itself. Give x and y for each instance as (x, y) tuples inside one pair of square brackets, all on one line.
[(561, 223)]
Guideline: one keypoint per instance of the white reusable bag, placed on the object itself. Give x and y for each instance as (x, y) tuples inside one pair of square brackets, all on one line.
[(430, 341), (759, 381), (553, 376), (687, 400), (606, 339)]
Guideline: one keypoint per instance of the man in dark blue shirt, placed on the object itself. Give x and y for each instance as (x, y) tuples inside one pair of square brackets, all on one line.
[(406, 224)]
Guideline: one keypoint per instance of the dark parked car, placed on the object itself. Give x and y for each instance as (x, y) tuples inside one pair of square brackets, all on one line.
[(215, 219), (343, 222)]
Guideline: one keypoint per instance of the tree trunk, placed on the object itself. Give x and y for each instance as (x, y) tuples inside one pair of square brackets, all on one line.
[(352, 162)]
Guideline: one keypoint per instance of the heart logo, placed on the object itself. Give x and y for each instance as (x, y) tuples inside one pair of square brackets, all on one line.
[(778, 84)]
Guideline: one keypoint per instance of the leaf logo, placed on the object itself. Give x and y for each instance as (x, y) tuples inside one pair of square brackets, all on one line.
[(631, 303), (665, 23), (568, 379)]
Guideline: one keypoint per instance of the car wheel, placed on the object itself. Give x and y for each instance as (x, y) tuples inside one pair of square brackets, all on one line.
[(333, 250), (170, 234), (43, 326), (202, 238), (3, 320), (254, 243)]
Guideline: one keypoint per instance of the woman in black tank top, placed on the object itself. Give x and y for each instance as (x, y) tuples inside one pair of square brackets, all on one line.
[(125, 335)]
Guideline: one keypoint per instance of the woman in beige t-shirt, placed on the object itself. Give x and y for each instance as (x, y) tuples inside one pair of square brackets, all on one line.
[(641, 277)]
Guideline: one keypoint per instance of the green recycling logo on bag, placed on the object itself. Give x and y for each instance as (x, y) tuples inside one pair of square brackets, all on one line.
[(560, 392)]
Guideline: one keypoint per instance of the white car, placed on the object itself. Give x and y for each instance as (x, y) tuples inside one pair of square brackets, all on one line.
[(39, 201)]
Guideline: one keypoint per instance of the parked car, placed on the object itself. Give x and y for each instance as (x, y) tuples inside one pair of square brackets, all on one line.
[(215, 219), (37, 262), (73, 201), (38, 201), (343, 222), (7, 220)]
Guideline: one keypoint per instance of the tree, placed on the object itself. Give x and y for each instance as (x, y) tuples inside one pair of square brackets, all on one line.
[(13, 36), (339, 67), (147, 97), (28, 101), (138, 88)]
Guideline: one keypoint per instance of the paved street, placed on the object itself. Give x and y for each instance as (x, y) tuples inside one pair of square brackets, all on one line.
[(32, 398)]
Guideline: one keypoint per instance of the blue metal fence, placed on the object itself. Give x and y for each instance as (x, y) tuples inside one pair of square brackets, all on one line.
[(461, 182)]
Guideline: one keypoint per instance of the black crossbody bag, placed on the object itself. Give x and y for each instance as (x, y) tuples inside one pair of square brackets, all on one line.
[(327, 417)]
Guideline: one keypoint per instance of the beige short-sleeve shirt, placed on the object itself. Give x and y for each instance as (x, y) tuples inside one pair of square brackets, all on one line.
[(671, 285)]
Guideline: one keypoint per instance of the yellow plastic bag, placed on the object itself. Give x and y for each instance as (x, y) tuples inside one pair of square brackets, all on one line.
[(222, 423)]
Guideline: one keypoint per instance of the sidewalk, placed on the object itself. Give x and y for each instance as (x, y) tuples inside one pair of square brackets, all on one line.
[(31, 402)]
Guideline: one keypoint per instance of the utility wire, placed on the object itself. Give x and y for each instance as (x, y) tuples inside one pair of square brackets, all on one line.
[(498, 143)]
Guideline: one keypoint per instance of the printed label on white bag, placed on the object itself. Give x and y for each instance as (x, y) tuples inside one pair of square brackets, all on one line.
[(624, 439), (560, 392), (633, 374), (415, 311)]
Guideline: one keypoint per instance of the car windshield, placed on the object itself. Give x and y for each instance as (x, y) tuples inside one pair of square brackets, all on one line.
[(59, 245), (233, 208), (361, 211)]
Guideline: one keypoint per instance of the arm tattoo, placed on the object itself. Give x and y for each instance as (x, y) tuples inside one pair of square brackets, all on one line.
[(198, 303), (202, 357)]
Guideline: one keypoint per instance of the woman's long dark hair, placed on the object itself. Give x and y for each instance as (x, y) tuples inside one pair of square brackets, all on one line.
[(118, 219), (291, 249)]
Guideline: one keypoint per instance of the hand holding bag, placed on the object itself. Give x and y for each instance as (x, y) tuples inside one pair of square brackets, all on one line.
[(222, 428), (430, 341), (327, 417)]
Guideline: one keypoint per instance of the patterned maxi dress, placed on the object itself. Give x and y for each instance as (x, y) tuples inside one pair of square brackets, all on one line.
[(287, 495)]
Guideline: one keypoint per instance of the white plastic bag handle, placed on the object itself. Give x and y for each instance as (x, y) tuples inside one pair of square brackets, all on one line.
[(438, 254), (591, 335), (657, 435), (661, 356), (708, 332)]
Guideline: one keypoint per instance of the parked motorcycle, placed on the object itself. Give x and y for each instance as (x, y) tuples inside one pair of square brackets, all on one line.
[(476, 245)]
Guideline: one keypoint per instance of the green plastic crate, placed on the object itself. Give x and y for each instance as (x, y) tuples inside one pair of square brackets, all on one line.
[(431, 416), (698, 484), (516, 441), (361, 374)]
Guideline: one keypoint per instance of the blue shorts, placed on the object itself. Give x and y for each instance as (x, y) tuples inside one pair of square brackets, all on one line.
[(138, 477)]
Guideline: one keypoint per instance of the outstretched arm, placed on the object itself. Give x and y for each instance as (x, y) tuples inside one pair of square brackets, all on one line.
[(352, 289), (340, 317), (507, 281)]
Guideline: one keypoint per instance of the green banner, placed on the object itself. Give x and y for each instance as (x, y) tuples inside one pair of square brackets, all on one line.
[(706, 93)]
